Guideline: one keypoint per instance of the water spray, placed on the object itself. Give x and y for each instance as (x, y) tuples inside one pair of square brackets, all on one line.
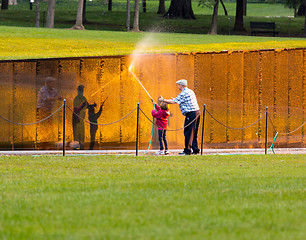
[(102, 87), (130, 69)]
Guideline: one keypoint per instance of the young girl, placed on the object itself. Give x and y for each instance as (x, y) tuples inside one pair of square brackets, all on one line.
[(161, 113)]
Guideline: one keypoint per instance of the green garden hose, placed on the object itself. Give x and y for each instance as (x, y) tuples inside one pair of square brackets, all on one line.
[(272, 146), (151, 135)]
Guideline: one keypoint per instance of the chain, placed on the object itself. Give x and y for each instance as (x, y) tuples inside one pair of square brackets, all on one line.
[(272, 124), (233, 127), (27, 124), (101, 124), (288, 133)]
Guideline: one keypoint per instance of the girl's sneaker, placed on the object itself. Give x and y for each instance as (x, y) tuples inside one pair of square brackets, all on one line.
[(166, 152), (160, 152)]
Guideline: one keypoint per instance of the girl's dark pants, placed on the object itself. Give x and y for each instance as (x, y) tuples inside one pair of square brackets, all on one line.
[(93, 131), (162, 138), (191, 132)]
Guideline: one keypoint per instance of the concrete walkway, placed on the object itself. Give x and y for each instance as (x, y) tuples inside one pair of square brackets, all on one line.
[(152, 152)]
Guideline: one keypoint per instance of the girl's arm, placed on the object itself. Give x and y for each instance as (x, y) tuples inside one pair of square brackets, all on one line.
[(157, 107), (157, 114), (98, 114)]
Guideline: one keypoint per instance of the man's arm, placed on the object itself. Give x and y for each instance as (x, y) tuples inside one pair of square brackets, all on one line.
[(169, 101), (78, 109), (50, 99)]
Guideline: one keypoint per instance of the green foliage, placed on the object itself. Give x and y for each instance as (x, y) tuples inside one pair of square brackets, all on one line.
[(206, 3), (290, 3), (100, 19), (127, 197)]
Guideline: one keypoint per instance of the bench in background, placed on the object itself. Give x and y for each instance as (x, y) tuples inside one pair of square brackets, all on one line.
[(263, 27)]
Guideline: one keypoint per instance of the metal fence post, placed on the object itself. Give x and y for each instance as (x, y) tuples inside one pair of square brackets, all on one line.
[(266, 136), (137, 129), (64, 127), (202, 138), (229, 26)]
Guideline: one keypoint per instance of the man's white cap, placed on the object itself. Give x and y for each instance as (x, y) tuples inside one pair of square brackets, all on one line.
[(182, 82), (50, 79)]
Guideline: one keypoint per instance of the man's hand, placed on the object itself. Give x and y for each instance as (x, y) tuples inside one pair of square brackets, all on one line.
[(169, 101)]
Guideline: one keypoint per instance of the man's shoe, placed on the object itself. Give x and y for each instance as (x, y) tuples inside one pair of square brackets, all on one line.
[(183, 153), (166, 152)]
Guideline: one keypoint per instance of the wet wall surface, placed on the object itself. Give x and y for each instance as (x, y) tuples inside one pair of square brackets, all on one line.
[(235, 86)]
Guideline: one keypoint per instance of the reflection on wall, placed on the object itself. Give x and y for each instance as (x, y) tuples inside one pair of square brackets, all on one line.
[(235, 86)]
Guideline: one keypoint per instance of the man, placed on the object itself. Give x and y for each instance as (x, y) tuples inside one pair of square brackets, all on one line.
[(79, 108), (190, 109), (47, 97)]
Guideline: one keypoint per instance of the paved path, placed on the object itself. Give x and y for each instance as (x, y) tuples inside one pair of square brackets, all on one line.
[(152, 152)]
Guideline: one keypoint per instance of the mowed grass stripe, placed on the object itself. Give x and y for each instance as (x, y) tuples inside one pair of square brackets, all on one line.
[(125, 197), (28, 43)]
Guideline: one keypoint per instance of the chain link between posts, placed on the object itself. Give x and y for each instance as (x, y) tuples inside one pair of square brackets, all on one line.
[(33, 123), (285, 133), (232, 128), (101, 124)]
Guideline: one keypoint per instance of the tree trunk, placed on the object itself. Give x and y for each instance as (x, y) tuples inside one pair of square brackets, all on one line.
[(214, 23), (295, 8), (161, 7), (50, 14), (128, 15), (244, 7), (84, 13), (136, 17), (37, 19), (302, 9), (4, 4), (110, 5), (180, 9), (224, 8), (79, 18), (239, 17)]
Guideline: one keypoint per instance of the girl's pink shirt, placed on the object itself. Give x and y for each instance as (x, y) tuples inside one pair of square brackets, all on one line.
[(161, 117)]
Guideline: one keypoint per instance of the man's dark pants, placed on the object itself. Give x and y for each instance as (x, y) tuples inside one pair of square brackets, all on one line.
[(191, 132)]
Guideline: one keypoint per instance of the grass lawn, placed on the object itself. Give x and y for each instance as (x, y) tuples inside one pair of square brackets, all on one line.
[(127, 197), (24, 43)]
